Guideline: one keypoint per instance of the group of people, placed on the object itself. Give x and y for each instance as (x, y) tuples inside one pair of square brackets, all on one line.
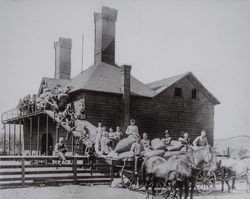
[(27, 104), (54, 99), (106, 141)]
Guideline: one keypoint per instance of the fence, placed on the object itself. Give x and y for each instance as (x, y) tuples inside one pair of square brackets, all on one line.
[(20, 171)]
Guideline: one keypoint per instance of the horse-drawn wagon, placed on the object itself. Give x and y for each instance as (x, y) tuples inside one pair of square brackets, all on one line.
[(154, 173)]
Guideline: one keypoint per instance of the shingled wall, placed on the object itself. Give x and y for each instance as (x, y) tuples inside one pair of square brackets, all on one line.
[(176, 114)]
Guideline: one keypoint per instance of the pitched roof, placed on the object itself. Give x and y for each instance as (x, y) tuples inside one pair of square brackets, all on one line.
[(106, 78), (161, 85), (52, 82)]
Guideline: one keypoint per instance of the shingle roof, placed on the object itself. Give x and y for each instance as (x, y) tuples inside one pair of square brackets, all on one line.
[(106, 78), (51, 82), (161, 85), (101, 77)]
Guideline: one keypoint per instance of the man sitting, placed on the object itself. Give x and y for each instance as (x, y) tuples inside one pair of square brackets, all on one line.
[(60, 150), (201, 140), (185, 141)]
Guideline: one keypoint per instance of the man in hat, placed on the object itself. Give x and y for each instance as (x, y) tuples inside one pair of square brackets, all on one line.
[(132, 130), (167, 139)]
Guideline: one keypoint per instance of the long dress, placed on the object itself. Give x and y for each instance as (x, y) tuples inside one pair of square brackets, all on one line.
[(97, 139)]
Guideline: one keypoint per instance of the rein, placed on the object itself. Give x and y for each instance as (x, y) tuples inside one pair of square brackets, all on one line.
[(243, 173)]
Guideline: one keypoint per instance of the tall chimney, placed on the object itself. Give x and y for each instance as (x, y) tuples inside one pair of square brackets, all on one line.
[(63, 58), (125, 88), (105, 35)]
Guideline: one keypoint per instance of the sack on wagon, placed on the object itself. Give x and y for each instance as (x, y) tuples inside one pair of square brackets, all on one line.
[(124, 155), (124, 145), (169, 154), (154, 153), (174, 146), (157, 144), (112, 155)]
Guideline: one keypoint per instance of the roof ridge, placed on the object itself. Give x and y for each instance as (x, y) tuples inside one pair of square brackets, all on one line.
[(183, 74)]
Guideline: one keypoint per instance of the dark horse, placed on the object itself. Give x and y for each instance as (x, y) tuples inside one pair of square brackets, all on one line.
[(178, 169)]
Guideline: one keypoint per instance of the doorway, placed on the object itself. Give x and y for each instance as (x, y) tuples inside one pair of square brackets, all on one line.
[(43, 144)]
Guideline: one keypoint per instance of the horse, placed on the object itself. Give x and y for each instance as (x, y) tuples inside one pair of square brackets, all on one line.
[(175, 167), (231, 169)]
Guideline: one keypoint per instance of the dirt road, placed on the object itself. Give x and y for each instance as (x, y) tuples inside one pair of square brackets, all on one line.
[(99, 192)]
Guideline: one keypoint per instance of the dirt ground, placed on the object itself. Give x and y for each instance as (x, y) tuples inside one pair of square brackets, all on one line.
[(101, 191)]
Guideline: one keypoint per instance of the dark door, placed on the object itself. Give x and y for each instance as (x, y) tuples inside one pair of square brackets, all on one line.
[(43, 144)]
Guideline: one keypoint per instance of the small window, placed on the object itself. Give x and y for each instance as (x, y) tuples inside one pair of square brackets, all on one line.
[(194, 94), (178, 92)]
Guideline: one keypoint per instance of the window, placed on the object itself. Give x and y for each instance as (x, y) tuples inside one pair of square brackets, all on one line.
[(178, 92), (194, 94)]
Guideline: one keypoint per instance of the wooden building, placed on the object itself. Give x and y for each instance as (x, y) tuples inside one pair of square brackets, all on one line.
[(113, 96)]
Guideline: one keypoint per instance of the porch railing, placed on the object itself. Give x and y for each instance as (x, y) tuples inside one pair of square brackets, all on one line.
[(19, 112)]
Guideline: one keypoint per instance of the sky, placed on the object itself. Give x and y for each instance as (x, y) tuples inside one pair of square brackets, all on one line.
[(159, 38)]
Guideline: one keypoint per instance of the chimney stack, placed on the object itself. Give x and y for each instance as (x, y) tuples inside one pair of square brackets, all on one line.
[(125, 88), (63, 58), (105, 35)]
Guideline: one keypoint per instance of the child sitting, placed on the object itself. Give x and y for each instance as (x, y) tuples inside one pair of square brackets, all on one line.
[(88, 144), (167, 140), (111, 138), (145, 142), (136, 149), (118, 135)]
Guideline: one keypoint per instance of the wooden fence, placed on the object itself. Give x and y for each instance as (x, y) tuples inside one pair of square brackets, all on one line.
[(20, 171)]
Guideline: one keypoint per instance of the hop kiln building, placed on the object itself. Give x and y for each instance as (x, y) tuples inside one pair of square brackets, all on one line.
[(113, 96)]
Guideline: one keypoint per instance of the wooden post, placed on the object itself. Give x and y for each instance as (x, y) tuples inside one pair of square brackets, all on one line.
[(4, 138), (111, 171), (72, 147), (57, 128), (14, 147), (74, 166), (47, 134), (30, 136), (38, 134), (20, 138), (23, 171), (9, 139)]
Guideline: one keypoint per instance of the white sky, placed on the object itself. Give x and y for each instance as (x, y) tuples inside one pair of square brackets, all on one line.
[(159, 38)]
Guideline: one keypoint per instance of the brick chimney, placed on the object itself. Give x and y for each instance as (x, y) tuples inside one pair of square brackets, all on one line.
[(105, 35), (125, 88), (63, 58)]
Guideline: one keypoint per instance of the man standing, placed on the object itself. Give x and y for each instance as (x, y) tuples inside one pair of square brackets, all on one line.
[(132, 130), (201, 140)]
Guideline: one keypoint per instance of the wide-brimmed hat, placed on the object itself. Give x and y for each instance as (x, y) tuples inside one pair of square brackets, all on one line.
[(166, 132)]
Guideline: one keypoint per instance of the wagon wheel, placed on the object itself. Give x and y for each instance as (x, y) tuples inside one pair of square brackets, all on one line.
[(205, 181), (161, 188), (131, 179)]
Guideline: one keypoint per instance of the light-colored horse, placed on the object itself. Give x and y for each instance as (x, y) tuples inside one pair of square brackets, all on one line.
[(176, 167), (232, 169)]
